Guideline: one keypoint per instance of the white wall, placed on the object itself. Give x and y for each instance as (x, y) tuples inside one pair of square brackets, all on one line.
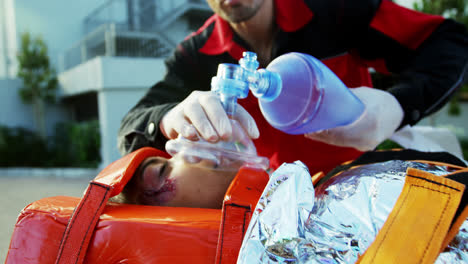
[(8, 46), (123, 72), (113, 105), (14, 113), (458, 124), (82, 78), (11, 103), (177, 31), (125, 80), (120, 83)]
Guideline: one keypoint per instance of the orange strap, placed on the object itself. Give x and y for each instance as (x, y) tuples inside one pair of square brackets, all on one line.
[(419, 222), (108, 183), (81, 225)]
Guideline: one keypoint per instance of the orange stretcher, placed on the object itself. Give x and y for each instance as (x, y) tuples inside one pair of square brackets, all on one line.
[(91, 230)]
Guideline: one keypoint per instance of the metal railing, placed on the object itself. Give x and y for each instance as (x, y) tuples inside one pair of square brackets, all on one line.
[(139, 15), (132, 28), (108, 40)]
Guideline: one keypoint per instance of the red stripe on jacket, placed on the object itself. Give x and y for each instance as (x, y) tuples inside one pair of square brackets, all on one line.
[(292, 15), (410, 28)]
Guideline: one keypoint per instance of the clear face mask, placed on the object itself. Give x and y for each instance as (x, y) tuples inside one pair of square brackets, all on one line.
[(227, 155)]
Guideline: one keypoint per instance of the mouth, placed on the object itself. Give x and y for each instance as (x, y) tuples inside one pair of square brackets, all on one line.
[(163, 195), (166, 193)]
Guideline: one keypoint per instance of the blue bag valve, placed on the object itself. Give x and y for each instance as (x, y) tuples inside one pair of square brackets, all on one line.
[(297, 93), (313, 98)]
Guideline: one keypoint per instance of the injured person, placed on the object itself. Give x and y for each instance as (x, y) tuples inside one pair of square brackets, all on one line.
[(178, 183), (197, 175)]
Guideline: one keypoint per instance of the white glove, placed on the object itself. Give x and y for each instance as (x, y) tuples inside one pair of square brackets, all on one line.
[(382, 116), (204, 111)]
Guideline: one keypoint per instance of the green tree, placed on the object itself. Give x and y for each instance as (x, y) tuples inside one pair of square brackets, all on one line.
[(39, 79), (457, 10)]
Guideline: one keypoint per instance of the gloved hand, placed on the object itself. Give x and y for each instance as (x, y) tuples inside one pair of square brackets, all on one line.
[(382, 116), (204, 111)]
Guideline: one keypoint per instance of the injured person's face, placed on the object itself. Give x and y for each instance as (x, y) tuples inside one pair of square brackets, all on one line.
[(178, 183)]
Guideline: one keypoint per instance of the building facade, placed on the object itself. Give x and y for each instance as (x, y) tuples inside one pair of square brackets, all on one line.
[(8, 45), (120, 56)]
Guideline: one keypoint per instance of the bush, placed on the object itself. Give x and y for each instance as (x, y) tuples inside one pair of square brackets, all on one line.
[(21, 147), (77, 144), (73, 145), (388, 144), (464, 146)]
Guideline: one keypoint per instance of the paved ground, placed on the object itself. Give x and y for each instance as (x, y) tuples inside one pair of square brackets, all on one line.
[(16, 193)]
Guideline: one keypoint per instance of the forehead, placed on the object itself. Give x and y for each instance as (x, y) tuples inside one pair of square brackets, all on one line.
[(152, 160)]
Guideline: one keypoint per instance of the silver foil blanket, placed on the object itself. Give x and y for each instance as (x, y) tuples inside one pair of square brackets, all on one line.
[(292, 225)]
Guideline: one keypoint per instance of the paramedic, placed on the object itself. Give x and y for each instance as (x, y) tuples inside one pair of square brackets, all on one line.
[(427, 53)]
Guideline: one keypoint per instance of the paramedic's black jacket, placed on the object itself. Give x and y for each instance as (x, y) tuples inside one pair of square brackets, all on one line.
[(428, 53)]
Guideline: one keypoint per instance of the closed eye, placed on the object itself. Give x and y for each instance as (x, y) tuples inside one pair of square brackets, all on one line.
[(150, 193), (163, 168)]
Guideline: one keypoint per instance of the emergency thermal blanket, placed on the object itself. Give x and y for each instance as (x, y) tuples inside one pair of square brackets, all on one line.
[(338, 221)]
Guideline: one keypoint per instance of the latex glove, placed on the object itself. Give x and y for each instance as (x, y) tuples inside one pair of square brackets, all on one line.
[(204, 111), (382, 116)]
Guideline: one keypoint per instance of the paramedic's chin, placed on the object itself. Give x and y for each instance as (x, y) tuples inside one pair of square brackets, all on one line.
[(177, 183)]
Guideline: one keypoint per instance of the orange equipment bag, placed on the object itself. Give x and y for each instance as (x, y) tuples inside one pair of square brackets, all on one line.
[(90, 230)]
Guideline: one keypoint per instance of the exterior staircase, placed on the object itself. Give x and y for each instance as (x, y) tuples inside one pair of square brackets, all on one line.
[(132, 28)]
